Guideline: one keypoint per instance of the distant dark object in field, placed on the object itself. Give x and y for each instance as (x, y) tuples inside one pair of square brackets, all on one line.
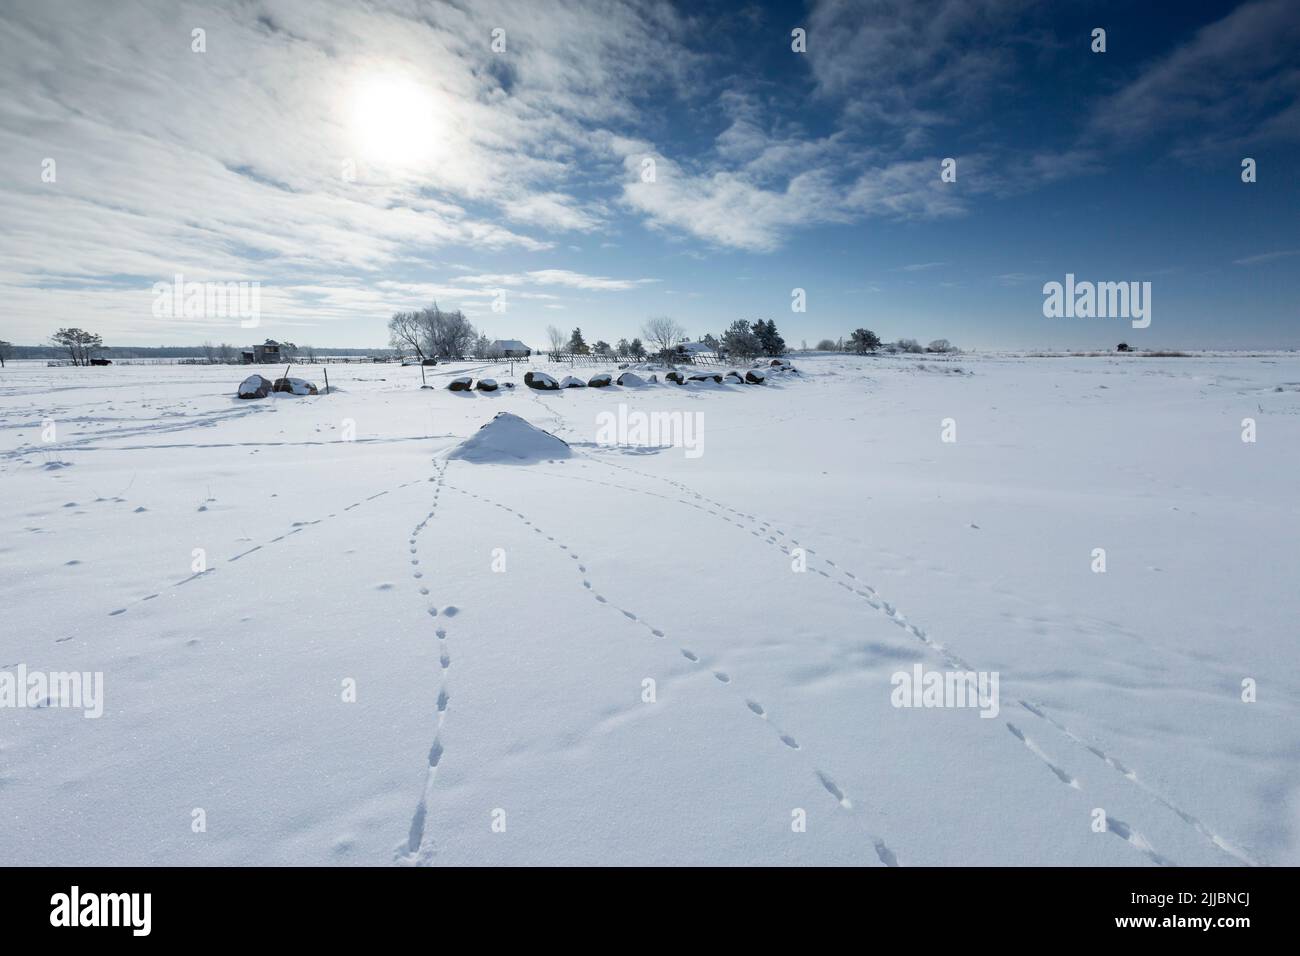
[(706, 377), (631, 380), (486, 385), (100, 361), (755, 376), (1123, 347), (570, 381), (540, 380), (675, 376), (461, 383), (601, 379), (734, 378), (254, 387), (294, 386)]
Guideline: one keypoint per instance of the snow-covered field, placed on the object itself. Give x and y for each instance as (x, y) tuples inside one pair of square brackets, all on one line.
[(497, 624)]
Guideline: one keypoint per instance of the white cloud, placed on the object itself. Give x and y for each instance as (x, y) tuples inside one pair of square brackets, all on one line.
[(1235, 82), (243, 162)]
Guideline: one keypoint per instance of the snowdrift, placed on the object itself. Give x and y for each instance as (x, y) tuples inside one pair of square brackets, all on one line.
[(510, 440)]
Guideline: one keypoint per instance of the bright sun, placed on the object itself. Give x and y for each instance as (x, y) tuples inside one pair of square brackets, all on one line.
[(392, 119)]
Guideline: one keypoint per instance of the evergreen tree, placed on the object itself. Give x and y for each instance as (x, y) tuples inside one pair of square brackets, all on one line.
[(576, 343), (864, 340)]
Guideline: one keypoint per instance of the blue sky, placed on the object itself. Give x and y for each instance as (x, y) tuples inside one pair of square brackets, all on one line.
[(357, 159)]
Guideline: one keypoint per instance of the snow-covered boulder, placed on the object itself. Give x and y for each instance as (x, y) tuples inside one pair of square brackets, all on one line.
[(675, 376), (487, 385), (734, 378), (601, 379), (631, 380), (570, 381), (705, 377), (254, 387), (540, 380), (510, 440), (755, 376), (461, 383), (294, 386)]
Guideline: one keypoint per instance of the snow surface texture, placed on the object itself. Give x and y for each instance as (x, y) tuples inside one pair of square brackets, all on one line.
[(233, 567)]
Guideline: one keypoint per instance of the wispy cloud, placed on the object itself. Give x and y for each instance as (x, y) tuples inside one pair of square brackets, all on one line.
[(1266, 257), (1234, 81)]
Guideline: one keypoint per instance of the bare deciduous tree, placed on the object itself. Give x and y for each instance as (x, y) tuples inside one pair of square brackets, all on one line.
[(450, 334), (558, 339), (663, 332), (406, 333), (79, 343)]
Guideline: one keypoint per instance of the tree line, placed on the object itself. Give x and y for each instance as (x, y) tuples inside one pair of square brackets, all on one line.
[(864, 341)]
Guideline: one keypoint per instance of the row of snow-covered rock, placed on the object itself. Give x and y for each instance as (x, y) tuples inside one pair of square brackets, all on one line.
[(630, 379), (465, 383), (255, 386)]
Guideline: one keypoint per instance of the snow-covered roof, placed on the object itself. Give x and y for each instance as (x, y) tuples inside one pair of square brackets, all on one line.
[(510, 345), (694, 347)]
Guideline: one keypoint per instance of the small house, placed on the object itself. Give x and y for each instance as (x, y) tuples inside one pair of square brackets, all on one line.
[(509, 348), (268, 353)]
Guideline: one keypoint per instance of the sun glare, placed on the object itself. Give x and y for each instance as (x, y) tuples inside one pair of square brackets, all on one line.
[(392, 118)]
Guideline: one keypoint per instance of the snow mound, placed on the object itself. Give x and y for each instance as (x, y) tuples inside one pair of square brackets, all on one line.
[(734, 378), (508, 439), (570, 382)]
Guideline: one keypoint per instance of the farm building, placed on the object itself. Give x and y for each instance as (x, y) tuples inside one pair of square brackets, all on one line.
[(509, 348), (266, 353)]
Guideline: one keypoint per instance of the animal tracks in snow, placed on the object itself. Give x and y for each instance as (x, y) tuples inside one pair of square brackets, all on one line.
[(418, 846), (753, 706), (768, 532), (296, 528)]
